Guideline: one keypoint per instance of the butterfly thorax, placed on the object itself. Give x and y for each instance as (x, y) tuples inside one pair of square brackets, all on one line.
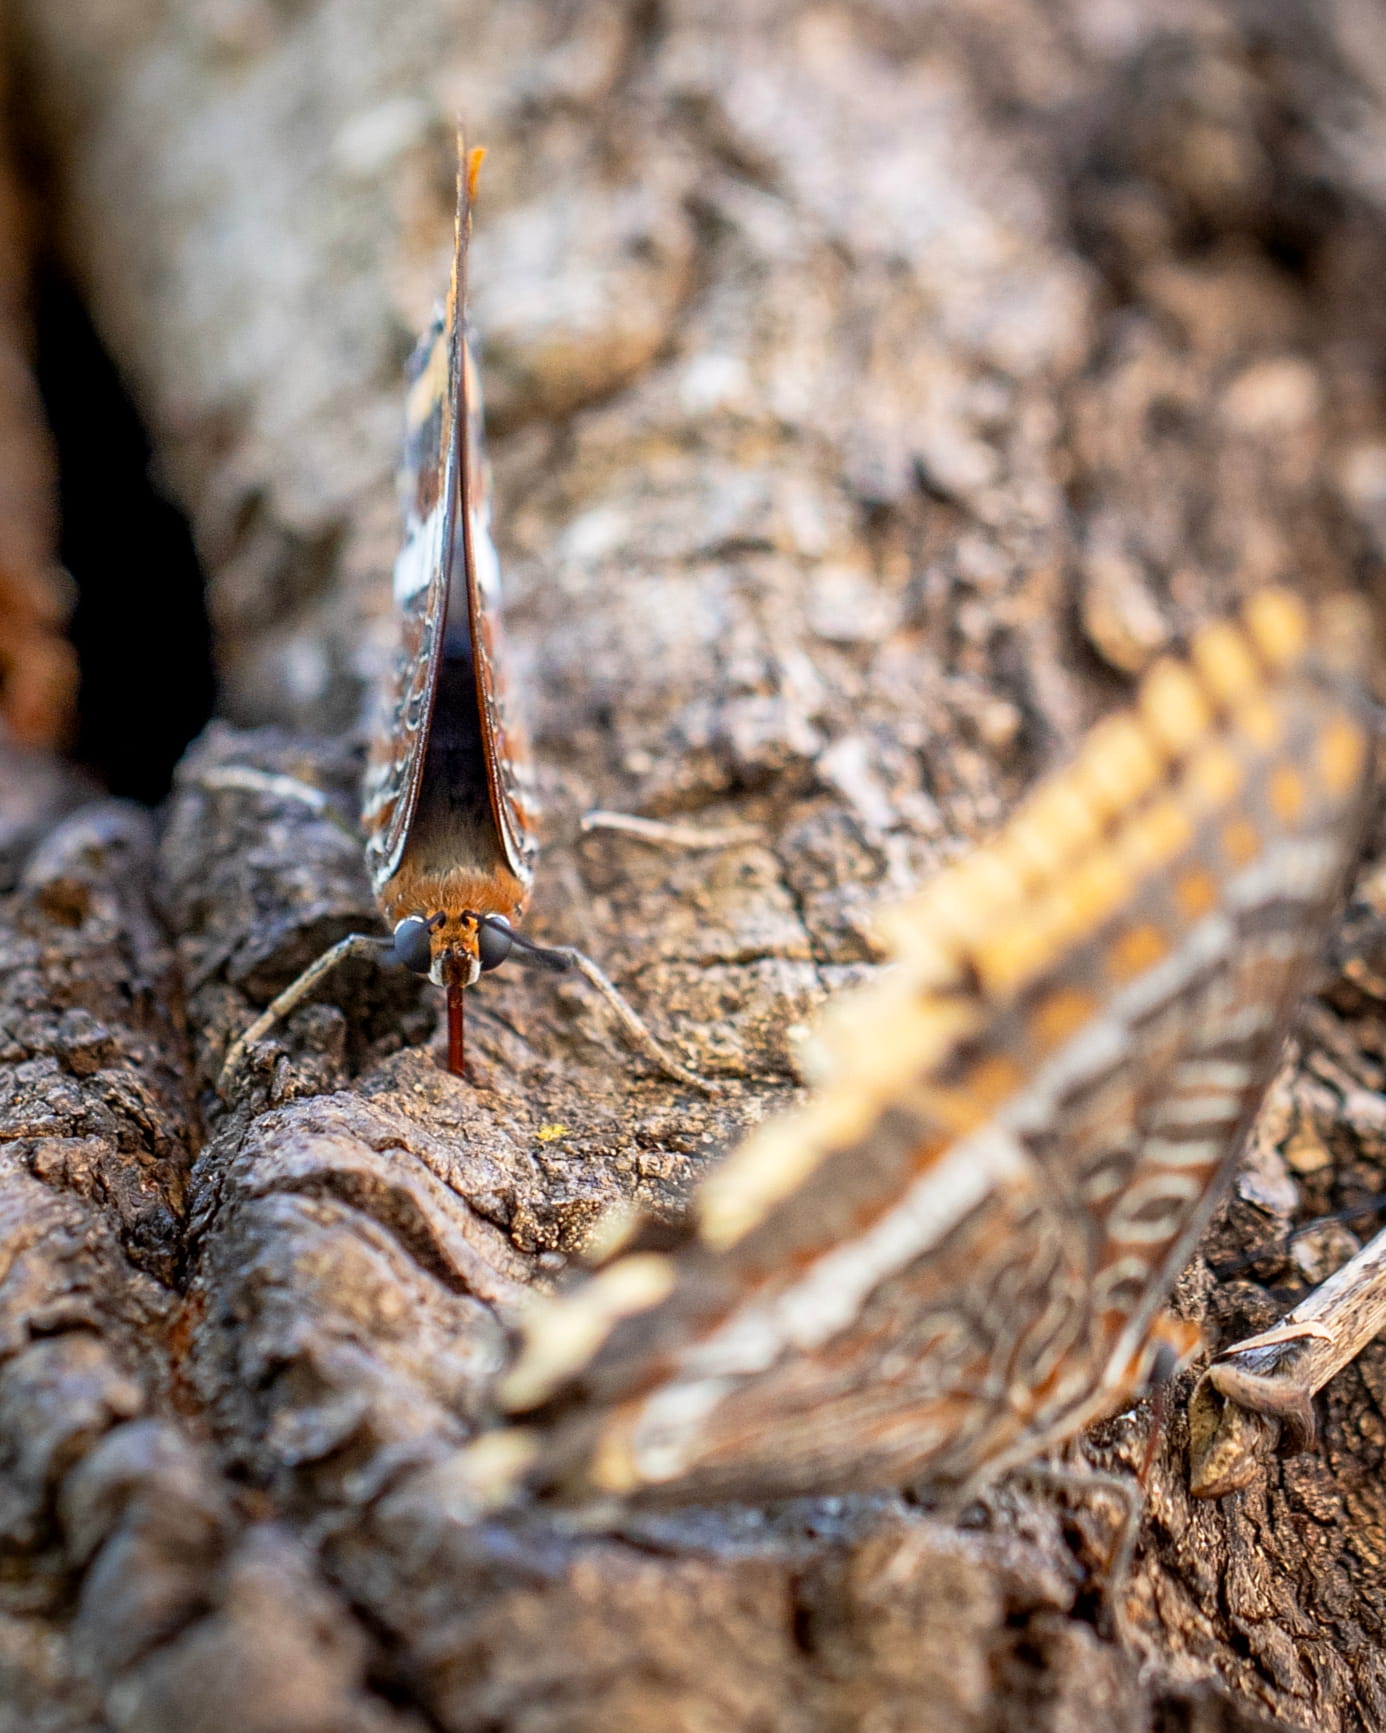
[(453, 900)]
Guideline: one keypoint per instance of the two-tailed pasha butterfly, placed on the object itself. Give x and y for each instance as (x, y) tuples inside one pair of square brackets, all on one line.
[(448, 806), (956, 1254)]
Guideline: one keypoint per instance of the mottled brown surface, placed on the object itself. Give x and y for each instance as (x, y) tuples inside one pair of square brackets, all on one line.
[(874, 390), (38, 670)]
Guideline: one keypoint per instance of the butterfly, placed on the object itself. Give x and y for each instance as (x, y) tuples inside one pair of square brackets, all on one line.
[(448, 802), (955, 1255), (448, 807)]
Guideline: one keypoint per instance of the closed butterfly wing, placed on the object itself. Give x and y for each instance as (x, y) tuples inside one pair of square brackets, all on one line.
[(509, 773), (399, 740), (446, 583), (955, 1254)]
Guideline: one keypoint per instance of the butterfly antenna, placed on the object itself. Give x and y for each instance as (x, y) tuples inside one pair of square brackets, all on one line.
[(455, 1024)]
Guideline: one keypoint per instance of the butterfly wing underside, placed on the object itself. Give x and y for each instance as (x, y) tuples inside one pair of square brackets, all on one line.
[(955, 1254), (447, 552), (509, 777)]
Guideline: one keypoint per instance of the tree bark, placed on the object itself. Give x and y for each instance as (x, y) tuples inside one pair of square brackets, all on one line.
[(874, 391)]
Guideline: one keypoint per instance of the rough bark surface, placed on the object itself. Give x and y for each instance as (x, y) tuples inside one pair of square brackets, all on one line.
[(874, 390), (38, 671)]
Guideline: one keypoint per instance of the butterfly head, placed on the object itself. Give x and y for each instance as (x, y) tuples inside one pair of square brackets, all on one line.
[(453, 950)]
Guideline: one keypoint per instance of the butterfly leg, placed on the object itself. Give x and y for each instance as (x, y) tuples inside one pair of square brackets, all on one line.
[(563, 957), (354, 945), (1080, 1482), (660, 833), (1265, 1386)]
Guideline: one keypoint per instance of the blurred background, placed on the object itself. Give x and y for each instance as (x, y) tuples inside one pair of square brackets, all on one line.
[(897, 370)]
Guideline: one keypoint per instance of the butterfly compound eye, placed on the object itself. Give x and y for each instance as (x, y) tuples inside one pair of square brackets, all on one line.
[(411, 944), (493, 941)]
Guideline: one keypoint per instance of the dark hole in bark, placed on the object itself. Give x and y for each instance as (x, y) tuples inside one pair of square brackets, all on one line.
[(140, 625)]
